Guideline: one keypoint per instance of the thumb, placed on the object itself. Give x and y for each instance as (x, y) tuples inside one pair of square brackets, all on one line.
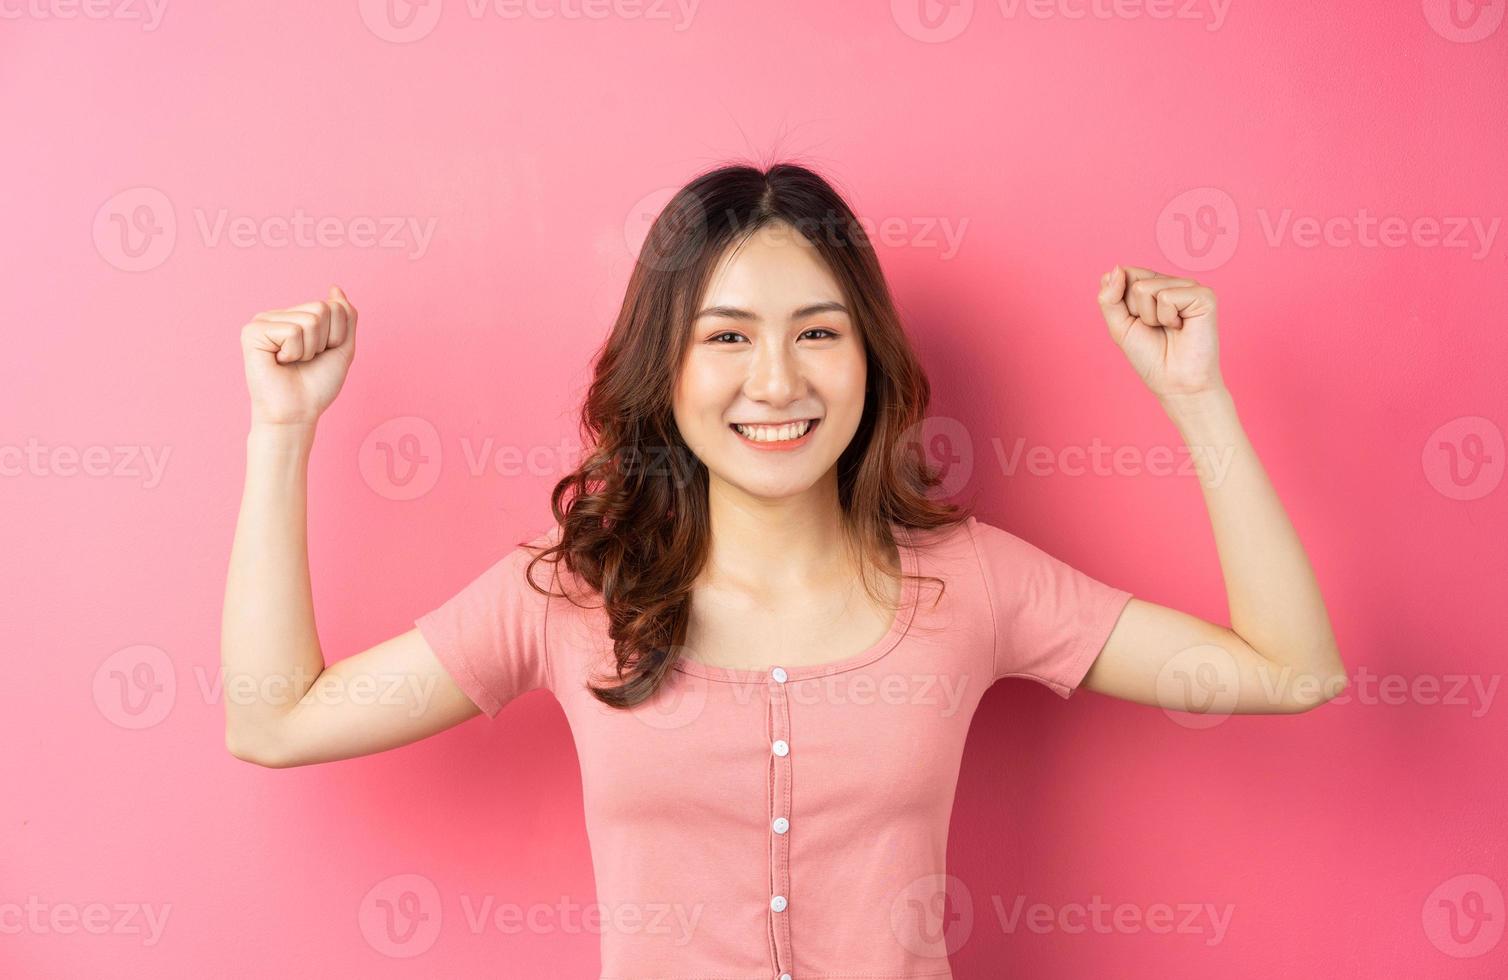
[(342, 321), (1112, 299)]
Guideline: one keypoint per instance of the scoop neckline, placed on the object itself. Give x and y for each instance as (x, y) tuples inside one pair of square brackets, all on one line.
[(899, 625)]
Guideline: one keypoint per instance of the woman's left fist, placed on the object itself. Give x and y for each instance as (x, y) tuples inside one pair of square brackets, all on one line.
[(1166, 328)]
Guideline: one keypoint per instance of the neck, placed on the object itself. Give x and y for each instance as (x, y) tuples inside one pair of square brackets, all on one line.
[(778, 545)]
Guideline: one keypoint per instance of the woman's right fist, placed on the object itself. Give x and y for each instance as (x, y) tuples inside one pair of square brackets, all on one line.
[(297, 359)]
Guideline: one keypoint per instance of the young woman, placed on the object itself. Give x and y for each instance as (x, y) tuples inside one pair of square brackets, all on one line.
[(768, 751)]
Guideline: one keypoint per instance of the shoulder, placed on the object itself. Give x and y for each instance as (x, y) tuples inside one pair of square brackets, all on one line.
[(949, 552), (993, 554), (961, 540)]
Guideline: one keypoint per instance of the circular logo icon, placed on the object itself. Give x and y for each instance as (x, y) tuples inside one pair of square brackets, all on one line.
[(1198, 230), (136, 229), (1463, 917), (677, 702), (932, 916), (682, 227), (400, 915), (400, 459), (932, 21), (1463, 459), (1464, 21), (400, 21), (135, 687), (1199, 686), (944, 445)]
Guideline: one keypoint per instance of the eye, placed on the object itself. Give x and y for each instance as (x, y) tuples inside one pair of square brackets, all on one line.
[(717, 338)]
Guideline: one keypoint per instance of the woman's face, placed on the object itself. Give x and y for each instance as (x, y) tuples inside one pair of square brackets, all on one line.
[(774, 343)]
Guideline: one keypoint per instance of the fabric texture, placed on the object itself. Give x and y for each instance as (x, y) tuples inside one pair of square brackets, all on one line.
[(746, 824)]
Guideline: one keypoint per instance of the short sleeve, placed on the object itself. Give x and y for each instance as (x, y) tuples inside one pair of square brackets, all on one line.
[(1051, 620), (490, 636)]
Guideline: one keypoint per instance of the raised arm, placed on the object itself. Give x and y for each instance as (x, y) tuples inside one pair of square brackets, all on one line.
[(1279, 654), (283, 706)]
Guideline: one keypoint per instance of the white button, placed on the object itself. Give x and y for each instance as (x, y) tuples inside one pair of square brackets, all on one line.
[(781, 825), (778, 903), (785, 976), (781, 748), (779, 674)]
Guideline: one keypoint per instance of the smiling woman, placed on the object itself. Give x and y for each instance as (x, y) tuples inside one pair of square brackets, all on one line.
[(768, 708), (791, 389)]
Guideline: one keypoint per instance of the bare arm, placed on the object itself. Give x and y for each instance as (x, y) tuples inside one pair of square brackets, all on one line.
[(1279, 654), (283, 705)]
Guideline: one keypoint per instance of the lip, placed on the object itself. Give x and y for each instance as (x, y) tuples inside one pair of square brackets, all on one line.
[(778, 447)]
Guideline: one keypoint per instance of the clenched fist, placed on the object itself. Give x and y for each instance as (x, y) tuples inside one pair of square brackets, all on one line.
[(297, 358), (1166, 328)]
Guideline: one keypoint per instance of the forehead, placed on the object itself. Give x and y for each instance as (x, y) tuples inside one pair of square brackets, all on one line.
[(773, 268)]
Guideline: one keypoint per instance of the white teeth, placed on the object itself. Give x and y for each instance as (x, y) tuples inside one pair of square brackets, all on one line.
[(774, 433)]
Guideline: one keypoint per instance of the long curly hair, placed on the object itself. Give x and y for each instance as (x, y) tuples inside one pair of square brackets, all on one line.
[(633, 517)]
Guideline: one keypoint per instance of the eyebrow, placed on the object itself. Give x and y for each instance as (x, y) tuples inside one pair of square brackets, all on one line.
[(734, 313)]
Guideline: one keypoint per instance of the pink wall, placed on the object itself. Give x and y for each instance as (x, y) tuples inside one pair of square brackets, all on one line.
[(1007, 154)]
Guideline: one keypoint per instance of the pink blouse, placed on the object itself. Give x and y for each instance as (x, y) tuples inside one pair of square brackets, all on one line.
[(786, 823)]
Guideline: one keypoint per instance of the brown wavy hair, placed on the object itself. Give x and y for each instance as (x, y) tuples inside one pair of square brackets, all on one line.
[(633, 517)]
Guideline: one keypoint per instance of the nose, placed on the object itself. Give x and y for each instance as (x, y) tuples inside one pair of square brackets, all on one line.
[(775, 375)]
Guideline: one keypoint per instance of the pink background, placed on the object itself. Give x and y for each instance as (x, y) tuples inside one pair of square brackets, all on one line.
[(1340, 842)]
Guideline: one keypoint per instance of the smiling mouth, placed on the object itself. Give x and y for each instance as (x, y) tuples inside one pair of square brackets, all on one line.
[(800, 435)]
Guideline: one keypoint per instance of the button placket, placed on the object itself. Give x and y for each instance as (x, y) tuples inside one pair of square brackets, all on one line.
[(779, 821)]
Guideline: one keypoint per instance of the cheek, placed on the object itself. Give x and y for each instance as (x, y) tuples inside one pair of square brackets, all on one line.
[(847, 385), (702, 390)]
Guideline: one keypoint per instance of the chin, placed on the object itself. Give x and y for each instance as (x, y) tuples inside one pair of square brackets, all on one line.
[(765, 489)]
